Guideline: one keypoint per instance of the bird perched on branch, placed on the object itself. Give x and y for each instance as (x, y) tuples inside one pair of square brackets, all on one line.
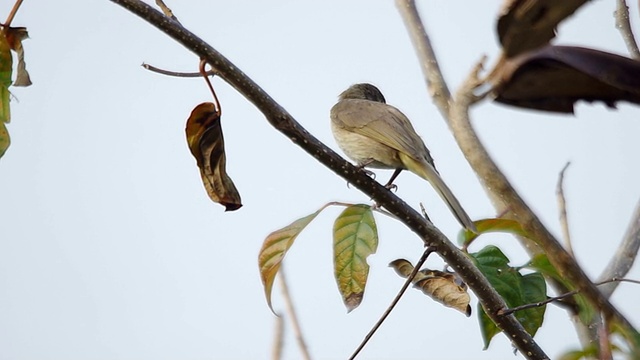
[(377, 135)]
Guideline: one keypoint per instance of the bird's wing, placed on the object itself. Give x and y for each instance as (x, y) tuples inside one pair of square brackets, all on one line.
[(380, 122)]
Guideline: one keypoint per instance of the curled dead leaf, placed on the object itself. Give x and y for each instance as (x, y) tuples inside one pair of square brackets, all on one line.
[(525, 25), (553, 78), (443, 287), (206, 142)]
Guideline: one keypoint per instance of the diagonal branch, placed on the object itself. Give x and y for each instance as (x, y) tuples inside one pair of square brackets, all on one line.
[(436, 84), (286, 124), (625, 256), (624, 25), (504, 197)]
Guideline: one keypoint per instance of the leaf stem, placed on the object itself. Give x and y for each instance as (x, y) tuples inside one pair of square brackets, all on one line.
[(393, 304), (12, 14)]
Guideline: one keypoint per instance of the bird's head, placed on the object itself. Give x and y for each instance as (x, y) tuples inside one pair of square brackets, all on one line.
[(364, 92)]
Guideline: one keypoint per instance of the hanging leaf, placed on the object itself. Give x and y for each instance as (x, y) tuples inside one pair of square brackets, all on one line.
[(275, 247), (204, 136), (516, 289), (526, 25), (355, 237), (15, 35), (553, 78), (443, 287)]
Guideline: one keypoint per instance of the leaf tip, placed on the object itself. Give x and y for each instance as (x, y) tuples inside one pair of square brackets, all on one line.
[(353, 301)]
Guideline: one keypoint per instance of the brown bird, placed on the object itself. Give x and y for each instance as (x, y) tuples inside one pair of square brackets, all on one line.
[(377, 135)]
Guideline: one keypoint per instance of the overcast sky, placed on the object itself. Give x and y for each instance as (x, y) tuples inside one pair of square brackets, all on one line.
[(111, 249)]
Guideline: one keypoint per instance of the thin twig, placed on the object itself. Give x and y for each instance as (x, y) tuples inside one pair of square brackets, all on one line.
[(176, 73), (560, 297), (625, 255), (430, 69), (282, 121), (291, 313), (203, 72), (604, 346), (393, 304), (278, 338), (624, 25), (12, 14), (562, 209), (166, 10)]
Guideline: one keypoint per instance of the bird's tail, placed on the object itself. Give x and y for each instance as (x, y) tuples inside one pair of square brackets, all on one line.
[(429, 173)]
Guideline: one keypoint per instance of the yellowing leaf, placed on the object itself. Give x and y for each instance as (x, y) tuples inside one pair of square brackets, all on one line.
[(355, 237), (491, 225), (206, 142), (275, 247), (6, 67), (443, 287), (5, 141)]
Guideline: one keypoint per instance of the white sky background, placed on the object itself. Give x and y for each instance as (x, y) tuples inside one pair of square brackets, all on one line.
[(111, 249)]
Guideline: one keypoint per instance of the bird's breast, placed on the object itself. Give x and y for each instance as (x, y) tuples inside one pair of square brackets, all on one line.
[(363, 149)]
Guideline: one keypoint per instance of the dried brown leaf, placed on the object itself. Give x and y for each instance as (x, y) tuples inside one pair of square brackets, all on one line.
[(206, 142), (443, 287), (555, 77), (525, 25), (15, 35)]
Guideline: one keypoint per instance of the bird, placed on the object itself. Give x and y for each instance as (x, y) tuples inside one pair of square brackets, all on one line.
[(377, 135)]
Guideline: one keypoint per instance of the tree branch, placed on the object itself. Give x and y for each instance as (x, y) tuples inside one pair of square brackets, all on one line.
[(624, 25), (562, 209), (286, 124), (291, 312), (430, 69), (504, 197), (625, 256)]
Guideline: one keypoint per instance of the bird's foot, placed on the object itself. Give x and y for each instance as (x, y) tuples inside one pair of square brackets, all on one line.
[(392, 187), (361, 166)]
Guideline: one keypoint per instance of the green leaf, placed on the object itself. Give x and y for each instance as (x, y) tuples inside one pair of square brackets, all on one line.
[(516, 289), (542, 264), (275, 247), (355, 237), (484, 226)]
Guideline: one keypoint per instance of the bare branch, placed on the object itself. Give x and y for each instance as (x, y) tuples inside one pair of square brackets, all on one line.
[(506, 199), (278, 337), (286, 124), (499, 189), (563, 296), (430, 69), (291, 313), (393, 304), (625, 256), (165, 9), (176, 73), (562, 208), (624, 25), (12, 14)]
